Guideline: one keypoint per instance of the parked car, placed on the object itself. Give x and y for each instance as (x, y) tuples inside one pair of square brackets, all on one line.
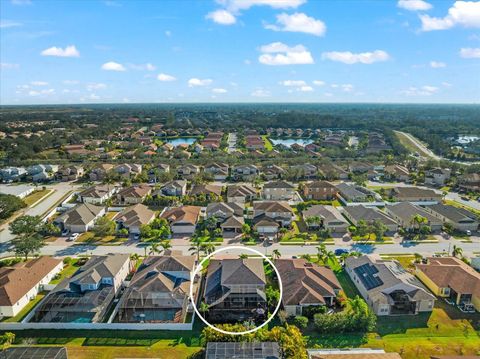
[(73, 237), (468, 232), (340, 251), (65, 232)]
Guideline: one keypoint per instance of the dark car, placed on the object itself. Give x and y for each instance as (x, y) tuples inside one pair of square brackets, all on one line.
[(340, 251)]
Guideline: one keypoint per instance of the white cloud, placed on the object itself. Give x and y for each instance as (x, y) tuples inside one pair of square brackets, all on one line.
[(165, 78), (470, 53), (298, 22), (45, 92), (294, 83), (277, 53), (222, 17), (9, 23), (9, 66), (96, 86), (69, 51), (70, 82), (426, 90), (113, 66), (350, 58), (305, 89), (260, 93), (194, 82), (414, 5), (347, 87), (437, 64), (462, 13), (143, 67), (39, 83), (219, 90), (238, 5), (318, 82)]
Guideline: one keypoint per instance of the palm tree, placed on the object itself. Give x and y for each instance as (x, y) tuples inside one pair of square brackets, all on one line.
[(457, 251), (418, 257), (276, 254), (321, 251), (166, 245), (203, 308), (154, 248), (207, 248), (313, 220)]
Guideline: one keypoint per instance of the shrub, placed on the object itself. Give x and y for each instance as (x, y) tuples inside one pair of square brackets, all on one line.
[(67, 260), (311, 310), (300, 321)]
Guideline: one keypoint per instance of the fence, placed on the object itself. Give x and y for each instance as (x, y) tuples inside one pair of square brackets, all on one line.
[(98, 326)]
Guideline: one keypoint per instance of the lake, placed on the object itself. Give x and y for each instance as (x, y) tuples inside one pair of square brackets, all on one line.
[(182, 140), (289, 142)]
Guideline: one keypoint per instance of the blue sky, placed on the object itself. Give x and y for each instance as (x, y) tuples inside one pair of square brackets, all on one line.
[(239, 51)]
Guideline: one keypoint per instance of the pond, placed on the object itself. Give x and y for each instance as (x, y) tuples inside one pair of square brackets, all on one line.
[(289, 142), (182, 140)]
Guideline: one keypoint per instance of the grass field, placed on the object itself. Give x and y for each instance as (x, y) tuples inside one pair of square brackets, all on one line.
[(67, 271), (36, 196), (268, 143)]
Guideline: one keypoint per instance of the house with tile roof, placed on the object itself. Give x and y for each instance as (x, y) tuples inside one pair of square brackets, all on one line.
[(97, 194), (269, 216), (20, 283), (329, 217), (461, 219), (133, 217), (183, 220), (235, 290), (453, 279), (306, 284), (404, 213), (80, 218), (241, 193), (387, 287), (158, 291), (174, 188), (278, 191), (133, 194), (87, 295)]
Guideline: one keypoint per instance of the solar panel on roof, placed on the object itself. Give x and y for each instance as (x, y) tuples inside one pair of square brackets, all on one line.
[(366, 274)]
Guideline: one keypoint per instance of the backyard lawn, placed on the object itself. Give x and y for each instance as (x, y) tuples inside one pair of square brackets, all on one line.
[(67, 271), (268, 143), (36, 196)]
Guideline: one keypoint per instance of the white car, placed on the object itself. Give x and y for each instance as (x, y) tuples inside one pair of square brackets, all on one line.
[(73, 236)]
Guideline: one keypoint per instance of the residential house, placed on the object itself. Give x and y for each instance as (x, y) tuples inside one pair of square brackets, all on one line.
[(183, 220), (41, 173), (229, 215), (18, 190), (396, 173), (332, 171), (206, 189), (469, 182), (254, 142), (278, 191), (245, 172), (174, 188), (70, 173), (369, 214), (97, 194), (133, 217), (415, 194), (460, 218), (405, 212), (306, 284), (272, 172), (133, 194), (235, 290), (306, 170), (87, 296), (80, 218), (100, 172), (320, 191), (241, 193), (353, 353), (437, 176), (187, 171), (387, 287), (12, 174), (34, 352), (20, 283), (269, 216), (128, 169), (155, 171), (158, 291), (350, 192), (219, 171), (451, 278), (329, 218)]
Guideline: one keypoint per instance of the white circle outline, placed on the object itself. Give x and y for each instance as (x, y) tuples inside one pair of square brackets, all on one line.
[(199, 266)]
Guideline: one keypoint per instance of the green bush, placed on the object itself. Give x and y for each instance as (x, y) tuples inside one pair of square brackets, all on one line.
[(300, 321), (311, 310), (67, 260)]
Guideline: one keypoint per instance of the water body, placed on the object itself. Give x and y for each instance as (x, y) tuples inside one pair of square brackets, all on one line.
[(289, 142), (182, 140)]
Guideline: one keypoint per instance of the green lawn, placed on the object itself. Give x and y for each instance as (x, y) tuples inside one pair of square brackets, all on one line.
[(348, 287), (268, 143), (405, 260), (36, 196), (67, 271), (23, 313)]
